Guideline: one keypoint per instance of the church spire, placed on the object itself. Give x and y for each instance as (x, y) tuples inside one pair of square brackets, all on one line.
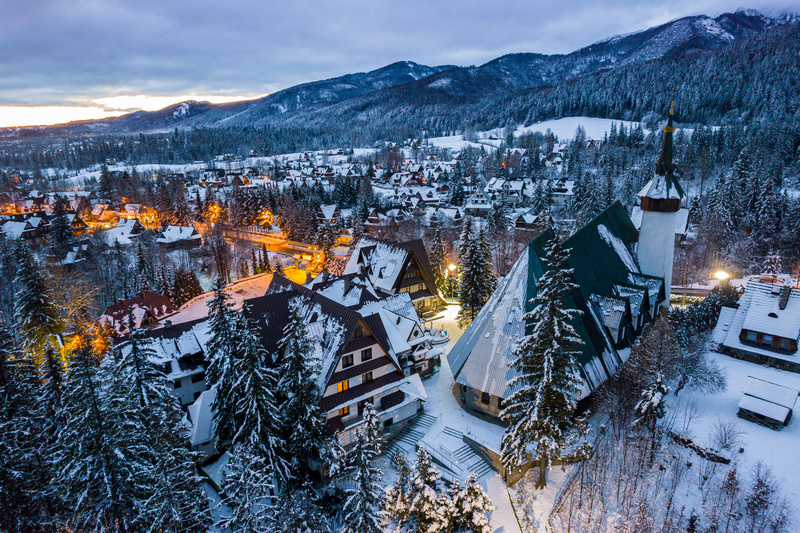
[(664, 166)]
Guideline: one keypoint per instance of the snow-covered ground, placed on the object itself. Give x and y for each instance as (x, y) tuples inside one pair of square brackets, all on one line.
[(780, 450), (563, 128)]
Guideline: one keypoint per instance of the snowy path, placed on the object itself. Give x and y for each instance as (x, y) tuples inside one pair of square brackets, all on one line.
[(441, 401)]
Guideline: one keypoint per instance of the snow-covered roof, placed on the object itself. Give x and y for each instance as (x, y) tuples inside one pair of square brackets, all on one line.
[(201, 417), (413, 387), (760, 299), (481, 356), (178, 233), (14, 230), (764, 314), (383, 261), (681, 220), (768, 399), (619, 247)]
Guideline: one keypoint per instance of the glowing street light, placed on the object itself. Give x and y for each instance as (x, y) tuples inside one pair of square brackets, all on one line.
[(721, 275), (451, 267)]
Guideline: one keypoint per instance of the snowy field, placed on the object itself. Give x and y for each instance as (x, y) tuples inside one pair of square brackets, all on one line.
[(563, 128), (780, 450)]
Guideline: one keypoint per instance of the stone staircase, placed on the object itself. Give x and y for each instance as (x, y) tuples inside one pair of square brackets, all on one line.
[(406, 440)]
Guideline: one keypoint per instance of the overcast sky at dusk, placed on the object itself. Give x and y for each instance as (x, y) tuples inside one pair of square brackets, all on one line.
[(68, 59)]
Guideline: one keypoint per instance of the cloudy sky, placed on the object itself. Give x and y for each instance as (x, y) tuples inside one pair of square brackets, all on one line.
[(64, 60)]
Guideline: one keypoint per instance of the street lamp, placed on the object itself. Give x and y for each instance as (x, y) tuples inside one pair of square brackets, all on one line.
[(721, 275)]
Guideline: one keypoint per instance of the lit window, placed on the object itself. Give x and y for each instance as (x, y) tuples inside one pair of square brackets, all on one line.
[(344, 411), (343, 385)]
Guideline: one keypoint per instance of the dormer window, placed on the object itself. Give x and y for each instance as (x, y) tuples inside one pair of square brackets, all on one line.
[(751, 336), (768, 340)]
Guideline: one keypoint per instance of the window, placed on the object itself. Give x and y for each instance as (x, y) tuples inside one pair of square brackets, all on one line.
[(388, 422), (177, 384), (358, 332), (347, 361), (784, 344), (343, 385), (366, 378), (167, 367), (198, 377), (751, 336), (767, 340), (366, 355), (499, 402), (344, 411), (485, 397)]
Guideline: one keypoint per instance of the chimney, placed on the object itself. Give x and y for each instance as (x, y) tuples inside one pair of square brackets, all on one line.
[(346, 284), (786, 290)]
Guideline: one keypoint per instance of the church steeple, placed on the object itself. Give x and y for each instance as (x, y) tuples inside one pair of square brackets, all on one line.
[(664, 186), (664, 165)]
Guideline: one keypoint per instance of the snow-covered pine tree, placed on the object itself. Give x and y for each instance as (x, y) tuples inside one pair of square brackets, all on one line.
[(299, 512), (256, 415), (474, 507), (250, 491), (451, 505), (650, 409), (176, 500), (438, 259), (477, 279), (361, 507), (60, 230), (304, 425), (29, 500), (424, 488), (397, 501), (222, 351), (373, 430), (95, 468), (540, 412), (34, 311)]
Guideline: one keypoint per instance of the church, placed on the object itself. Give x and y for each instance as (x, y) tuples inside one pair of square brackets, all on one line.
[(623, 277)]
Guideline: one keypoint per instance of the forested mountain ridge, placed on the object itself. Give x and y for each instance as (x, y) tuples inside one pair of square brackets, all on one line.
[(405, 98)]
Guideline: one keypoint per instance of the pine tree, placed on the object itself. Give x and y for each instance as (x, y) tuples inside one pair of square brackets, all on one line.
[(249, 491), (60, 229), (96, 464), (34, 311), (438, 260), (397, 500), (299, 512), (539, 413), (477, 279), (29, 499), (257, 416), (304, 425), (265, 266), (650, 409), (474, 507), (221, 353), (361, 507), (175, 497), (424, 488)]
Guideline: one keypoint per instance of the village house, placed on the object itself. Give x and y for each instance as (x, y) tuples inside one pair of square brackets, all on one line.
[(393, 268), (146, 308), (180, 236), (764, 328)]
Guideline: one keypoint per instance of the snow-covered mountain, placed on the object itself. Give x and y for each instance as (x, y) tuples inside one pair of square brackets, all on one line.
[(407, 83)]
